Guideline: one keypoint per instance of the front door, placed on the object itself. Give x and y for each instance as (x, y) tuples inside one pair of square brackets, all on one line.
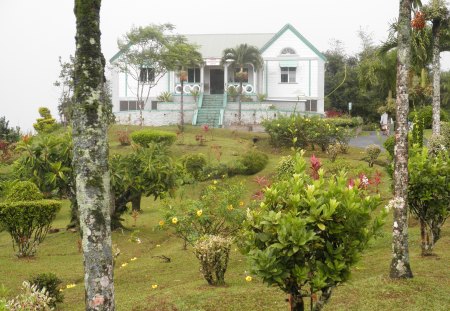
[(216, 81)]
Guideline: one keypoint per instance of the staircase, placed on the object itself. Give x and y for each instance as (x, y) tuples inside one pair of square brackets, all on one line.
[(209, 113)]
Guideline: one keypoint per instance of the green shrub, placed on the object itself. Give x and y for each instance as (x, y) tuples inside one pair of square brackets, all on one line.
[(214, 171), (445, 132), (28, 222), (194, 164), (436, 144), (46, 123), (333, 150), (146, 137), (51, 283), (165, 97), (285, 167), (24, 191), (389, 145), (250, 163), (213, 251), (426, 114), (307, 234), (372, 153)]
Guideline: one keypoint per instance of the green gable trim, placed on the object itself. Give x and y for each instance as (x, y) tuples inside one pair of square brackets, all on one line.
[(288, 63), (295, 31)]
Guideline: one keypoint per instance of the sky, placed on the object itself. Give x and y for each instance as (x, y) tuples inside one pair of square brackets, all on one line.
[(35, 33)]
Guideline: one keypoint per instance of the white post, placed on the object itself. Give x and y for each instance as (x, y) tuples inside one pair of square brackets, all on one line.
[(202, 78)]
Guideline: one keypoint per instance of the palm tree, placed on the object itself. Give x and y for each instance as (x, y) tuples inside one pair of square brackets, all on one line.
[(239, 57), (400, 267), (436, 11)]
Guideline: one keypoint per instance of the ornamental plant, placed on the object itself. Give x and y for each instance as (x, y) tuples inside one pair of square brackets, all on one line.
[(146, 137), (27, 217), (429, 194), (51, 284), (213, 252), (307, 234), (209, 225), (372, 153), (32, 298), (217, 212)]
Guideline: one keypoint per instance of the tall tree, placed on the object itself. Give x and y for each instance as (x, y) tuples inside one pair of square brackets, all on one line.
[(90, 158), (436, 11), (400, 267), (239, 57)]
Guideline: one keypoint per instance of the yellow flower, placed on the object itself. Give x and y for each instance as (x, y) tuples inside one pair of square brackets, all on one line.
[(174, 220), (213, 187), (161, 223), (215, 182), (70, 285), (133, 259), (223, 176), (248, 278), (124, 264), (61, 290), (154, 286), (241, 203), (230, 207), (199, 213), (157, 245)]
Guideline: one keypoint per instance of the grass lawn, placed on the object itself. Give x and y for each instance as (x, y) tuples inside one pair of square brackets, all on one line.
[(180, 285)]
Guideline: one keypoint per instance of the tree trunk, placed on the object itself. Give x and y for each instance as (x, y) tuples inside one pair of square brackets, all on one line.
[(90, 158), (400, 267), (296, 302), (240, 101), (182, 106), (436, 127), (136, 202), (425, 240)]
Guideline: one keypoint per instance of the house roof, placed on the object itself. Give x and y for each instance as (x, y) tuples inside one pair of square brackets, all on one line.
[(212, 45)]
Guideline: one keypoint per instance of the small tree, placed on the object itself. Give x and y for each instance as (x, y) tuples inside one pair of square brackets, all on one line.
[(147, 54), (239, 57), (307, 233), (429, 194)]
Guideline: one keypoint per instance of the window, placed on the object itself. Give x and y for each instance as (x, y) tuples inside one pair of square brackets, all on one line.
[(288, 51), (235, 79), (311, 105), (126, 105), (194, 75), (288, 74), (147, 75)]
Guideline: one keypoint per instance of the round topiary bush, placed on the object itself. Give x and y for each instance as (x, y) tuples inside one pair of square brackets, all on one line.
[(146, 137), (250, 163), (27, 217), (24, 191), (194, 164)]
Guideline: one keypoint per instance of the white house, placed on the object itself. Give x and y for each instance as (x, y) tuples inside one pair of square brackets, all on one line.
[(292, 80)]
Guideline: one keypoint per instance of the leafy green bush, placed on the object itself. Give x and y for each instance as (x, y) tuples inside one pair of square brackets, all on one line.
[(51, 283), (24, 191), (436, 144), (213, 251), (214, 171), (299, 131), (445, 132), (307, 234), (29, 220), (31, 299), (194, 164), (389, 145), (372, 153), (165, 97), (218, 211), (146, 137), (426, 114), (345, 122), (250, 163), (429, 193), (285, 167)]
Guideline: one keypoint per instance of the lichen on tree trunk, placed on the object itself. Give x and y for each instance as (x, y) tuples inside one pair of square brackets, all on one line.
[(90, 158), (400, 267), (436, 126)]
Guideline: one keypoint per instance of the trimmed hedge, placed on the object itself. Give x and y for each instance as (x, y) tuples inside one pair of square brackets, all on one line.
[(28, 222), (249, 163), (24, 191), (146, 137)]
